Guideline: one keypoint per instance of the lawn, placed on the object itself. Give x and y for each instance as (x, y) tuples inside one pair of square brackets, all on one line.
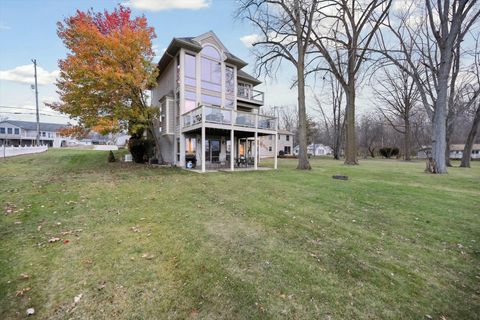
[(157, 243)]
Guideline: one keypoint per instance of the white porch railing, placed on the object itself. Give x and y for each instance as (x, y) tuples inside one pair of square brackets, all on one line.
[(219, 115), (250, 94), (6, 152)]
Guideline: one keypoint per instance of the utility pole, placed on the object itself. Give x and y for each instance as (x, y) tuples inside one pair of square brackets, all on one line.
[(36, 102)]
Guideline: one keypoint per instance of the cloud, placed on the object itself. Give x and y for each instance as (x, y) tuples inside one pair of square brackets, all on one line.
[(25, 74), (4, 27), (250, 39), (159, 5)]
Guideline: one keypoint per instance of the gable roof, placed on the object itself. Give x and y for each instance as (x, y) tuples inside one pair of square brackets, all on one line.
[(460, 147), (192, 43), (30, 125), (245, 76)]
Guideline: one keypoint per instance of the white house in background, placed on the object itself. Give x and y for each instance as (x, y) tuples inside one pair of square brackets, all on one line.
[(209, 107), (456, 151), (284, 144), (24, 133), (316, 149)]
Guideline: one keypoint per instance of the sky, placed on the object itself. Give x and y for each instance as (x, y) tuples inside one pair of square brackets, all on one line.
[(28, 31)]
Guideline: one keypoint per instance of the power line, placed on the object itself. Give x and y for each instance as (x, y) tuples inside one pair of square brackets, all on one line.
[(33, 113)]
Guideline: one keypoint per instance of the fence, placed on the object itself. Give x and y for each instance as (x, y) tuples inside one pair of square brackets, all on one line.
[(16, 151)]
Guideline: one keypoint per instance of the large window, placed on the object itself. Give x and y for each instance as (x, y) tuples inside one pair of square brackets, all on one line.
[(190, 101), (9, 130), (2, 130), (229, 81), (190, 70), (213, 100), (17, 131), (211, 69)]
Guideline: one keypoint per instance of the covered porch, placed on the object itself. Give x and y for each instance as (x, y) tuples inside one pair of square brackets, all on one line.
[(212, 149)]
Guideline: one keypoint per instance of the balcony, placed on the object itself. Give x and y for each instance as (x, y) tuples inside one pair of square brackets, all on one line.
[(250, 95), (227, 118)]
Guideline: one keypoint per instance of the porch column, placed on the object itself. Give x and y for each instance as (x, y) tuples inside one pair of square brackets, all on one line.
[(182, 150), (203, 149), (203, 139), (255, 155), (275, 152), (232, 149)]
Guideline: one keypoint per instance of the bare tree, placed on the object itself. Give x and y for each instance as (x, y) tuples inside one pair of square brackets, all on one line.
[(334, 123), (474, 99), (397, 95), (286, 27), (428, 47), (343, 49), (371, 132)]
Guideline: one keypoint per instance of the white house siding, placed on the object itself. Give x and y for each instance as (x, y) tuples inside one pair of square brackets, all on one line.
[(266, 147)]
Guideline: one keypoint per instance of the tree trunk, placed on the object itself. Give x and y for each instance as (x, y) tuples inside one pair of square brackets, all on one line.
[(407, 141), (303, 163), (449, 133), (467, 151), (439, 125), (350, 138), (153, 133)]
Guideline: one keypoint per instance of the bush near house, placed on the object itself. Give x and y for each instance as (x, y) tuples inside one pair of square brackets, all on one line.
[(141, 149), (111, 156), (388, 152)]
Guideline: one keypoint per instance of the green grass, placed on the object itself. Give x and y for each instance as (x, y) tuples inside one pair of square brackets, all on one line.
[(390, 243)]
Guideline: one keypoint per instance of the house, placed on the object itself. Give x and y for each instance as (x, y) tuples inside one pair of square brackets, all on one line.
[(456, 151), (209, 106), (315, 149), (24, 133), (284, 144)]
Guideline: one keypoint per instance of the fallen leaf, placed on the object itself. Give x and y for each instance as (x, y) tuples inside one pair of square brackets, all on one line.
[(22, 292), (54, 239), (24, 276), (148, 256), (77, 298)]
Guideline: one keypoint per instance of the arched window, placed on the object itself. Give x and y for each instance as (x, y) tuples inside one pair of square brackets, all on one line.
[(211, 52), (211, 70)]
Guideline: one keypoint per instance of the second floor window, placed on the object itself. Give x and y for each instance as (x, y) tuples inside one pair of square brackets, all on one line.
[(288, 137), (190, 70), (9, 130), (229, 81), (2, 130), (17, 131), (211, 69)]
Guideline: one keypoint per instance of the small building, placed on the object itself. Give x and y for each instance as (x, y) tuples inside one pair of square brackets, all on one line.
[(456, 151), (284, 144), (24, 133), (315, 149)]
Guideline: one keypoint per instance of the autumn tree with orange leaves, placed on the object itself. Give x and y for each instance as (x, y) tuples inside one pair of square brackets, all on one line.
[(107, 72)]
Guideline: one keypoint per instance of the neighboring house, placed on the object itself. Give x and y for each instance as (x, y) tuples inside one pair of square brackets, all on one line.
[(315, 149), (24, 133), (209, 107), (284, 144), (456, 151)]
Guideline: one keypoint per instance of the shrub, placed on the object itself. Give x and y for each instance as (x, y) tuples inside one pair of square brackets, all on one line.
[(281, 153), (389, 152), (141, 149), (111, 156)]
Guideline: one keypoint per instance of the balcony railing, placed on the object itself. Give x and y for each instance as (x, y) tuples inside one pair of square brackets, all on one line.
[(223, 116), (250, 94)]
